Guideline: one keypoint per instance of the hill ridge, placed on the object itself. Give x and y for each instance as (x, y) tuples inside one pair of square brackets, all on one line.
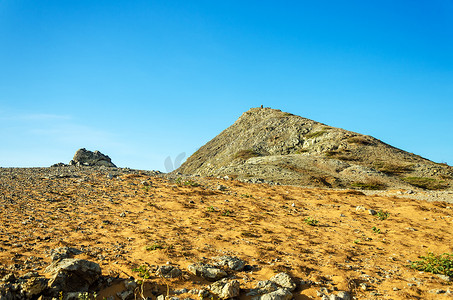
[(269, 145)]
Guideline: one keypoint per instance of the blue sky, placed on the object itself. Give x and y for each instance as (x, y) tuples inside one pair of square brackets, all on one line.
[(144, 80)]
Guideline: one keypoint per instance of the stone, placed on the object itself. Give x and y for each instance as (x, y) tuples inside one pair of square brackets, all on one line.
[(444, 277), (204, 294), (263, 287), (206, 271), (9, 278), (221, 187), (343, 295), (284, 280), (130, 285), (280, 294), (225, 289), (232, 262), (160, 297), (63, 252), (125, 295), (372, 212), (72, 275), (168, 271), (58, 165), (34, 286), (85, 157)]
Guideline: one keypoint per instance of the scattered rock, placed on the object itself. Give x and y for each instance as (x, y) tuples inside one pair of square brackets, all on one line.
[(372, 212), (206, 271), (232, 262), (169, 271), (342, 295), (34, 286), (444, 277), (284, 280), (204, 294), (125, 295), (63, 252), (263, 287), (221, 187), (225, 289), (130, 285), (280, 294)]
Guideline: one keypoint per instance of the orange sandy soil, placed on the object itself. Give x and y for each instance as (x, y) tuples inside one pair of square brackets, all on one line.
[(263, 225)]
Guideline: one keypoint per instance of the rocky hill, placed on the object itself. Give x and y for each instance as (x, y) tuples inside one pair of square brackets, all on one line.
[(268, 145)]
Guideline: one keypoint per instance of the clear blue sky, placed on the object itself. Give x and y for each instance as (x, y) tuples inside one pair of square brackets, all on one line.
[(143, 80)]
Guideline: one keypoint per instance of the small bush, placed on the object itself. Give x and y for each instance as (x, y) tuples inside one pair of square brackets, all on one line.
[(191, 183), (393, 168), (426, 183), (370, 185), (246, 154), (315, 134), (310, 221), (376, 230), (142, 271), (360, 140), (383, 215), (154, 247), (300, 151), (341, 155), (436, 264)]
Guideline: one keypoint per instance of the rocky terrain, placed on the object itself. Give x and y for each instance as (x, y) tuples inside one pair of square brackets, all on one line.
[(84, 232), (268, 145)]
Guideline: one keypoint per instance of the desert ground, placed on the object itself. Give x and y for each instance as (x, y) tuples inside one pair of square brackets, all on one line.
[(127, 220)]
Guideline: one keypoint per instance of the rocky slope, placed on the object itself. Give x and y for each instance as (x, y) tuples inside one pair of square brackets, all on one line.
[(268, 145)]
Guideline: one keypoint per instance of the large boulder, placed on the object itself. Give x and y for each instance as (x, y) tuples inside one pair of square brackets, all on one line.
[(85, 157), (73, 275)]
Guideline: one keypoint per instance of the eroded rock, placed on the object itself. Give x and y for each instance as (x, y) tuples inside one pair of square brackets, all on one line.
[(206, 271), (73, 275), (85, 157), (169, 271), (225, 288), (284, 280), (231, 262)]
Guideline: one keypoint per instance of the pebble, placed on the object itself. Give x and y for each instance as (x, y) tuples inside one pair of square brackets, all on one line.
[(372, 212)]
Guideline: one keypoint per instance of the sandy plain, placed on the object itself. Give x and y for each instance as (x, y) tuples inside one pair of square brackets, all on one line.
[(124, 219)]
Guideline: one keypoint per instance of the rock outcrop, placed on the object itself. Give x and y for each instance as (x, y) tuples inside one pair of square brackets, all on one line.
[(85, 157), (271, 146), (73, 275)]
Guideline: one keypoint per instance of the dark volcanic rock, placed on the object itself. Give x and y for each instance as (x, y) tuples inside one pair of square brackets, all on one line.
[(88, 158)]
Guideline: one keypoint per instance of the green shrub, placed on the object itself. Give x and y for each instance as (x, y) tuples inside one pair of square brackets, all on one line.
[(426, 183), (383, 215), (310, 221), (436, 264), (154, 247), (142, 271)]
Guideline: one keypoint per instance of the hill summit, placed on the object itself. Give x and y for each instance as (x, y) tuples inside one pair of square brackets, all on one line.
[(268, 145)]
